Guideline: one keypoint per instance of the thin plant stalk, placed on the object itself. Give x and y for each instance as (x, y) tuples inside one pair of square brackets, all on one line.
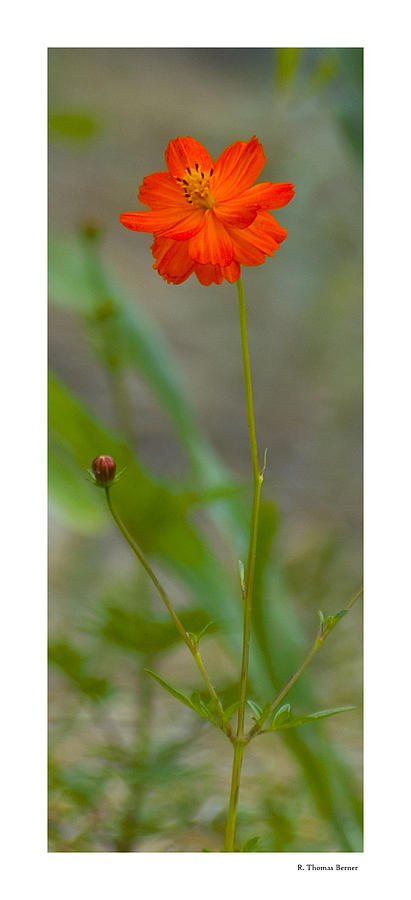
[(321, 636), (192, 645), (239, 741)]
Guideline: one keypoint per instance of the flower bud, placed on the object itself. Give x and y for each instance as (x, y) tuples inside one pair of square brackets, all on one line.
[(104, 469)]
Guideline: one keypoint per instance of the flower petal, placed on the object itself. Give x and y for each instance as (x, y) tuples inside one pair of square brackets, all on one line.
[(208, 274), (172, 260), (160, 190), (268, 195), (212, 244), (237, 168), (185, 152), (278, 232), (157, 221), (169, 222), (190, 225), (236, 213), (215, 274), (232, 272), (241, 211), (261, 239)]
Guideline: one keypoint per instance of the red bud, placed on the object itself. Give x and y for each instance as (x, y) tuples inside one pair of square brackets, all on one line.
[(104, 469)]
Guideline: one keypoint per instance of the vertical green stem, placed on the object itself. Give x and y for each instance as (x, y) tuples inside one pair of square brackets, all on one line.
[(239, 742), (235, 787)]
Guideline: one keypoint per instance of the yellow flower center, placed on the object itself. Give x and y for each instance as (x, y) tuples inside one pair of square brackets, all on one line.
[(196, 187)]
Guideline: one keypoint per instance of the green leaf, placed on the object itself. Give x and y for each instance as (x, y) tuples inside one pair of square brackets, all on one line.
[(196, 637), (295, 721), (80, 508), (327, 623), (74, 664), (72, 126), (287, 64), (79, 282), (230, 711), (136, 633), (80, 786), (150, 510), (242, 574), (251, 845), (173, 691), (255, 708), (282, 715), (198, 704)]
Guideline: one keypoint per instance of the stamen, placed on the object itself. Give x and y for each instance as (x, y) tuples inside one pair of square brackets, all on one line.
[(211, 172), (196, 187)]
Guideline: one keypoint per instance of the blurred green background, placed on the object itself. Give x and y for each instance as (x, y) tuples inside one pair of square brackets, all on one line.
[(152, 374)]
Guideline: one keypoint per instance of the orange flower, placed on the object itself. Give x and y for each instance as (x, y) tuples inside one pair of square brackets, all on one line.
[(206, 217)]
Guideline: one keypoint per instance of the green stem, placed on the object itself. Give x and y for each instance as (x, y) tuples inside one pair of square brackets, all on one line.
[(239, 742), (283, 693), (235, 787), (321, 636), (193, 647), (257, 482)]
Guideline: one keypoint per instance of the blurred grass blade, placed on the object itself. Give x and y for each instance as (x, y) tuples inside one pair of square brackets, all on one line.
[(287, 63), (80, 508), (155, 516), (79, 282)]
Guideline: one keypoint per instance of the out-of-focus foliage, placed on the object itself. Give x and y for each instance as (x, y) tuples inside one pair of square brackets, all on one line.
[(72, 126), (131, 769)]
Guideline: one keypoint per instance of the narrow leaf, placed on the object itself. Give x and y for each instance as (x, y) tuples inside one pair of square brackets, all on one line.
[(255, 708), (251, 845), (200, 707), (294, 721), (229, 712), (177, 694), (242, 574), (282, 716)]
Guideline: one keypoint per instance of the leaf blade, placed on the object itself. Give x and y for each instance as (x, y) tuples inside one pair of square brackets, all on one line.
[(173, 691), (296, 721)]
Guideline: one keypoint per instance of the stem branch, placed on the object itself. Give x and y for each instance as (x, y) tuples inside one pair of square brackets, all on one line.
[(321, 636), (192, 646)]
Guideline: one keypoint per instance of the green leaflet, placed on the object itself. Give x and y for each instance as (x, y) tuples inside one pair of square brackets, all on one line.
[(250, 846), (255, 708), (284, 719), (173, 691)]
